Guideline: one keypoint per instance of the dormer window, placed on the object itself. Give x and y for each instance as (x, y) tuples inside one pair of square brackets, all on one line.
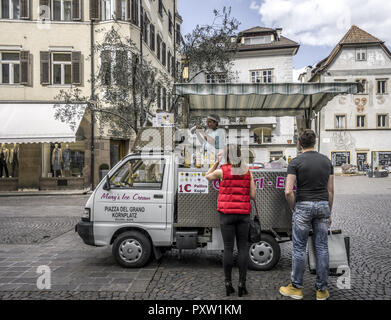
[(258, 40), (361, 54)]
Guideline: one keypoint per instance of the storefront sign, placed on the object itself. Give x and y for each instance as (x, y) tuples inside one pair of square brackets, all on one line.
[(193, 182)]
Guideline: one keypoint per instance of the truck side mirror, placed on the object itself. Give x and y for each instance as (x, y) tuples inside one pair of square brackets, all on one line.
[(106, 186)]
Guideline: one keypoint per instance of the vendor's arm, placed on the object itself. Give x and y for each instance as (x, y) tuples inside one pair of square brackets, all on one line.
[(289, 194), (202, 136), (214, 173)]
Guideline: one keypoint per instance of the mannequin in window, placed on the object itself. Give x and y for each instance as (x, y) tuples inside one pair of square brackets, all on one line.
[(57, 160), (14, 159), (66, 160), (4, 156)]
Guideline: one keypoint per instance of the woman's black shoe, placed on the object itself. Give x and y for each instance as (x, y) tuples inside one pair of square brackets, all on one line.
[(242, 290), (229, 288)]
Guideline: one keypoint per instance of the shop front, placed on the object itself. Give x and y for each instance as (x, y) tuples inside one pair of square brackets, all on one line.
[(39, 152)]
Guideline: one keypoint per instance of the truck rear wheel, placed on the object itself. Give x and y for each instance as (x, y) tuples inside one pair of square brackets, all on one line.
[(264, 255), (132, 249)]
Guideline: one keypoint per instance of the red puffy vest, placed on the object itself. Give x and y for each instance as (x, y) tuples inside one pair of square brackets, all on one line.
[(234, 192)]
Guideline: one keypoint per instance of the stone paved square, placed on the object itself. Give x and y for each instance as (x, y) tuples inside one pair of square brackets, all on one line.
[(362, 210)]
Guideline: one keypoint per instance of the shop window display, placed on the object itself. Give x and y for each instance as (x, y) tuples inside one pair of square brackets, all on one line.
[(63, 160), (9, 160)]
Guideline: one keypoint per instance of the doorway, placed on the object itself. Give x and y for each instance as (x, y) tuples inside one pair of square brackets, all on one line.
[(361, 158), (117, 151)]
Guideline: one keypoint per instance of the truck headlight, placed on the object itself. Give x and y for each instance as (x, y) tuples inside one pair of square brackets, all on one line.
[(86, 214)]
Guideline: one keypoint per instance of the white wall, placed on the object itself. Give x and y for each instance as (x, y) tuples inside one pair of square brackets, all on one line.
[(377, 66)]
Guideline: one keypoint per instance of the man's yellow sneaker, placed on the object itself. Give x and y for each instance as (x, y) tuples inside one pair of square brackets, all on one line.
[(322, 295), (291, 291)]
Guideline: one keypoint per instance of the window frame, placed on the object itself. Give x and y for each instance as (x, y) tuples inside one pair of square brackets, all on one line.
[(103, 12), (358, 125), (10, 11), (386, 120), (148, 187), (62, 63), (62, 11), (360, 80), (259, 74), (11, 64), (335, 120), (216, 78), (361, 51), (378, 81)]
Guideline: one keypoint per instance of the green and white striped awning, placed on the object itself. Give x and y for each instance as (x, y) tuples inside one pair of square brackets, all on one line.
[(262, 100)]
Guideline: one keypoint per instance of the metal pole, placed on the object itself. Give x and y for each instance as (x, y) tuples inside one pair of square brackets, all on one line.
[(92, 112)]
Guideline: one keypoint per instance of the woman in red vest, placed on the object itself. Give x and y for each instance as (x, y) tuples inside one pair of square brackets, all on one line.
[(236, 189)]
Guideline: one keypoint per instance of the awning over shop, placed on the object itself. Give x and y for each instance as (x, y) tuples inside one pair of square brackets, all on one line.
[(262, 100), (34, 123)]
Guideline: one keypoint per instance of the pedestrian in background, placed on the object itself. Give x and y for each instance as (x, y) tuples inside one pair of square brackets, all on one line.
[(311, 208), (237, 188)]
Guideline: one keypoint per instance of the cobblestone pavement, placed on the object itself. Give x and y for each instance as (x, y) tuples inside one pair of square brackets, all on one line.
[(362, 211)]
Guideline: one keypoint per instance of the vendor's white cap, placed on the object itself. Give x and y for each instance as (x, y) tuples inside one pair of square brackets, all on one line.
[(214, 117)]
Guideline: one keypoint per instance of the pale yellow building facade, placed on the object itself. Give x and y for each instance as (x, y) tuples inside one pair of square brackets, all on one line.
[(46, 46)]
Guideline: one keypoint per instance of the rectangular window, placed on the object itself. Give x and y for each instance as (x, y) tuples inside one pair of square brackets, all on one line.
[(364, 83), (169, 22), (152, 37), (360, 123), (123, 9), (106, 9), (146, 29), (258, 40), (161, 8), (164, 54), (261, 76), (169, 62), (159, 46), (139, 174), (361, 54), (381, 86), (61, 66), (340, 122), (216, 78), (62, 10), (382, 121), (178, 34), (10, 9), (9, 71)]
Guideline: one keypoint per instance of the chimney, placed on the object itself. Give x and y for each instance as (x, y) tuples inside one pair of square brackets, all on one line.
[(279, 31), (308, 70)]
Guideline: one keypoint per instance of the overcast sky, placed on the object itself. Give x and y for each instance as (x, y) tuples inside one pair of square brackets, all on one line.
[(317, 25)]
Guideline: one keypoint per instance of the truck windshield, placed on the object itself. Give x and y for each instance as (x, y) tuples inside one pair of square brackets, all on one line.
[(139, 173)]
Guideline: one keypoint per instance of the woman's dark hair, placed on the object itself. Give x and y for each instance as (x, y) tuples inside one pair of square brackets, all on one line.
[(233, 155), (307, 139)]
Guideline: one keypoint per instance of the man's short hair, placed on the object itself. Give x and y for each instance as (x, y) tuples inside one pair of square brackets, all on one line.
[(307, 139)]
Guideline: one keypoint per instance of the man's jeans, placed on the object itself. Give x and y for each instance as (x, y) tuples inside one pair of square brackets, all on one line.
[(307, 215)]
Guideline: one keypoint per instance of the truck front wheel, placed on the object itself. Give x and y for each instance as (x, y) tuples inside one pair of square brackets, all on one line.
[(263, 256), (132, 249)]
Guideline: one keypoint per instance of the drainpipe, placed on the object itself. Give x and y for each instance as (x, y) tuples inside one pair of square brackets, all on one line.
[(93, 99)]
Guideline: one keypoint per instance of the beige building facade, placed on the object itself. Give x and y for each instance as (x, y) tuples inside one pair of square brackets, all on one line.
[(46, 46)]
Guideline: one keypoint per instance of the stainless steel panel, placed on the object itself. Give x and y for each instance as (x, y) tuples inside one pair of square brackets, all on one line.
[(200, 210)]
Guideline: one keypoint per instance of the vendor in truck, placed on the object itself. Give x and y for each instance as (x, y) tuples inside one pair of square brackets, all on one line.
[(213, 138)]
